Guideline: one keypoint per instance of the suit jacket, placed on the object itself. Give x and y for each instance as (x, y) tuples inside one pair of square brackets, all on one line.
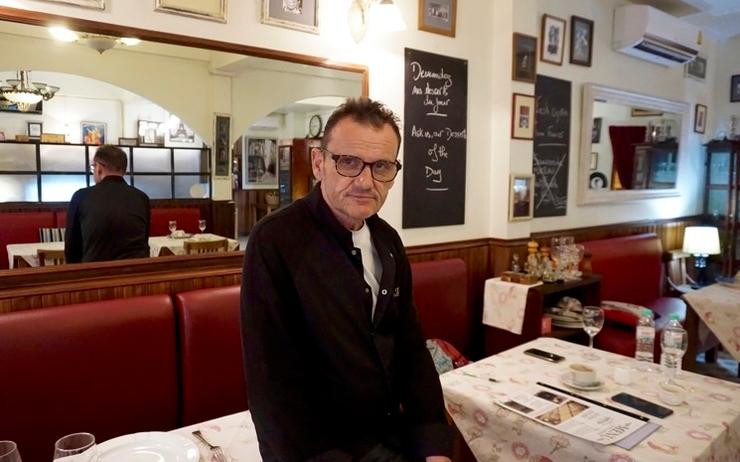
[(108, 221)]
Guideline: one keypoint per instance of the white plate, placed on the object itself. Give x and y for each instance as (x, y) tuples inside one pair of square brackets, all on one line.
[(148, 447), (568, 325), (567, 379)]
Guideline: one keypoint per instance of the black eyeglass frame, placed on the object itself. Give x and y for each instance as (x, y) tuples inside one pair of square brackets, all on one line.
[(336, 157)]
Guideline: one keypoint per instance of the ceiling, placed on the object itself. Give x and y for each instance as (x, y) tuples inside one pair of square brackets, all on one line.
[(718, 18)]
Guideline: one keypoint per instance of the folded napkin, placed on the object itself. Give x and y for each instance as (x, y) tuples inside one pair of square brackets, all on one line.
[(504, 304)]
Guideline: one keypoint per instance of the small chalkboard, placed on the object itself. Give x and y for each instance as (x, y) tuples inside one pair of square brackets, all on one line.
[(435, 139), (551, 146)]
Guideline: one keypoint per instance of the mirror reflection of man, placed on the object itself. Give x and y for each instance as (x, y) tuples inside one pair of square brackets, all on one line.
[(108, 221)]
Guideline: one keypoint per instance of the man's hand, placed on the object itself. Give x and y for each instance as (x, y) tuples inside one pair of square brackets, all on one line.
[(438, 459)]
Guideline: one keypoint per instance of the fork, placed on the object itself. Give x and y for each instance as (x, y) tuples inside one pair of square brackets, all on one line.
[(216, 451)]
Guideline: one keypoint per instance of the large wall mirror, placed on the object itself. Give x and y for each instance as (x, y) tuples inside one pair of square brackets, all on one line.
[(631, 145)]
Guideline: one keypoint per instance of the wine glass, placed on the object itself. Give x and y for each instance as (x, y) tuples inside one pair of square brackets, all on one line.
[(81, 445), (202, 225), (9, 452), (593, 321), (172, 225)]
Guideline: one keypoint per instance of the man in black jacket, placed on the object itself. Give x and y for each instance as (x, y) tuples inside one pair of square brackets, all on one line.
[(108, 221), (335, 361)]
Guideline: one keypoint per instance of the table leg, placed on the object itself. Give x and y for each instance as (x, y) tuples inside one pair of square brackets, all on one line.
[(692, 329)]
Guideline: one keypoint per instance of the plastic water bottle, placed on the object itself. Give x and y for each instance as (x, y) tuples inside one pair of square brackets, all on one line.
[(645, 339), (673, 342)]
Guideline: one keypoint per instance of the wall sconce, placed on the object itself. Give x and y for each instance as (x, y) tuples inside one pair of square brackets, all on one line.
[(701, 242), (381, 15)]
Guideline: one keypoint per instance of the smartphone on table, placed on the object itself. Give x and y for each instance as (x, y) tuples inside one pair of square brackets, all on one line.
[(546, 355), (642, 405)]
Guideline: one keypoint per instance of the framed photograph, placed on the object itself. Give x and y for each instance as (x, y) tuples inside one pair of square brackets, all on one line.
[(735, 89), (294, 14), (222, 143), (596, 131), (128, 141), (34, 130), (525, 58), (522, 117), (260, 163), (594, 163), (700, 118), (438, 16), (520, 197), (93, 132), (53, 138), (8, 106), (642, 112), (181, 133), (214, 10), (97, 4), (581, 40), (696, 69), (552, 39), (151, 133)]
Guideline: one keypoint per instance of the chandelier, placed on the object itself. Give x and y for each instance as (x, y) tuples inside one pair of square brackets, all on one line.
[(26, 94)]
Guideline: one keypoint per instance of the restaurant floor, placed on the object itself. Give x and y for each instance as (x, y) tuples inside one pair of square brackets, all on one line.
[(724, 368)]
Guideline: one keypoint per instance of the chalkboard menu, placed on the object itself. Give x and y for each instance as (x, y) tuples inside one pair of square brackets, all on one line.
[(435, 139), (551, 146)]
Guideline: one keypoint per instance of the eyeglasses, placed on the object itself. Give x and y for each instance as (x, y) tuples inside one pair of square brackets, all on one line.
[(351, 166)]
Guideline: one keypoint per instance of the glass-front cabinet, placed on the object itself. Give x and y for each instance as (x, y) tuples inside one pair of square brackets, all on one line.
[(721, 201)]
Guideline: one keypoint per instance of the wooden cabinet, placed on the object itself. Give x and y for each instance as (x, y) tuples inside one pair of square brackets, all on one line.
[(721, 201), (301, 174)]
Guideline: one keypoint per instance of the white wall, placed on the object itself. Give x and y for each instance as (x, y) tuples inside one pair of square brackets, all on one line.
[(728, 64)]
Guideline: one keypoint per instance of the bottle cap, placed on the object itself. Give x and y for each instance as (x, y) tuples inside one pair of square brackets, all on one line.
[(674, 317), (647, 312)]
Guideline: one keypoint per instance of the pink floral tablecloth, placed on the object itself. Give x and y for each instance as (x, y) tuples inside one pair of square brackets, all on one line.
[(504, 304), (719, 307), (706, 427)]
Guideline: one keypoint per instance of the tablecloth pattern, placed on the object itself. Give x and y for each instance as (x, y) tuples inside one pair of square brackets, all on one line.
[(504, 304), (719, 307), (705, 428)]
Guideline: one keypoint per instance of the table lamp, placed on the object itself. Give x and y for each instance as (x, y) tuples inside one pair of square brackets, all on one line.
[(701, 242)]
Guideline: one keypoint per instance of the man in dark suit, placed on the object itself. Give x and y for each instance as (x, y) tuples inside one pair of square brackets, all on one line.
[(108, 221)]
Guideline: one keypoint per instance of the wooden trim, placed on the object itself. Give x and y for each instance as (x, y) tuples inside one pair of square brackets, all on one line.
[(446, 246)]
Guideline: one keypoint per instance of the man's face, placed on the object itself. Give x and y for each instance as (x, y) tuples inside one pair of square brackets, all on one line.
[(354, 199), (97, 171)]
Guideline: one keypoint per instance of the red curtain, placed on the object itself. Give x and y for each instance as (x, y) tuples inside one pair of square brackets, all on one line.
[(623, 147)]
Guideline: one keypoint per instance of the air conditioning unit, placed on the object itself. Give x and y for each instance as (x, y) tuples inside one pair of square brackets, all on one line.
[(270, 122), (650, 34)]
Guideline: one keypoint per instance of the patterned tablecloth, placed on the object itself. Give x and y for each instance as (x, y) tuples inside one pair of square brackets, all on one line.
[(504, 304), (706, 427), (234, 433), (719, 307)]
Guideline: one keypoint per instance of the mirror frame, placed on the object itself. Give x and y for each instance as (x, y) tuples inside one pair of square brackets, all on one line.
[(593, 92)]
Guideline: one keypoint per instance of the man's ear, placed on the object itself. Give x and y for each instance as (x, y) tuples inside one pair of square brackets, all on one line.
[(317, 163)]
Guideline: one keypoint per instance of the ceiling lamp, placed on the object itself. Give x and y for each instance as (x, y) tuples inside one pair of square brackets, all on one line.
[(97, 42), (381, 15), (26, 94)]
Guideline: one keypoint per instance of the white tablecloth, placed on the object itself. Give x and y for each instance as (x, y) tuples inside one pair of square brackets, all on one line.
[(719, 307), (234, 433), (504, 304)]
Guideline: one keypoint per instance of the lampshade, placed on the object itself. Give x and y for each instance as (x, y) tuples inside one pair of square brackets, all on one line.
[(701, 240)]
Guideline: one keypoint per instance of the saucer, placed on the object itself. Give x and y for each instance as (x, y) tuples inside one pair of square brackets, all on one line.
[(567, 379)]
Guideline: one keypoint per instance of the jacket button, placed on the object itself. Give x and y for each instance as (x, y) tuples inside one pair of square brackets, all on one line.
[(384, 292), (354, 252), (367, 291)]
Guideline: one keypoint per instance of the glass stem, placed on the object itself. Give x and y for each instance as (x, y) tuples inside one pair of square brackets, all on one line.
[(591, 341)]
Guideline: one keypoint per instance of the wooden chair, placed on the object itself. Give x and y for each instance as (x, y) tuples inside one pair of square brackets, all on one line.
[(678, 280), (56, 257), (221, 245)]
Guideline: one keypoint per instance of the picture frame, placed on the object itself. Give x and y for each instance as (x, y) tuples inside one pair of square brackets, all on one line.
[(58, 138), (696, 69), (594, 161), (8, 106), (128, 141), (522, 116), (34, 130), (735, 88), (524, 58), (260, 163), (521, 196), (96, 4), (181, 133), (302, 15), (700, 118), (642, 112), (552, 39), (93, 133), (212, 10), (151, 133), (581, 41), (438, 16), (596, 131), (221, 143)]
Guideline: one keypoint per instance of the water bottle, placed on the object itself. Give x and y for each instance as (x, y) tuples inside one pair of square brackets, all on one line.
[(673, 342), (645, 338)]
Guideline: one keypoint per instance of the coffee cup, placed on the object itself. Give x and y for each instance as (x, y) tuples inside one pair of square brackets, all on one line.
[(582, 374), (179, 233)]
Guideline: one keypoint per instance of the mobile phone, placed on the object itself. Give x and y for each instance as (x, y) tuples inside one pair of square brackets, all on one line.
[(642, 405), (546, 355)]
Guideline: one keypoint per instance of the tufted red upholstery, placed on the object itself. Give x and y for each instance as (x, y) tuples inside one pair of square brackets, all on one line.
[(210, 340), (187, 219), (109, 368), (441, 294), (20, 227)]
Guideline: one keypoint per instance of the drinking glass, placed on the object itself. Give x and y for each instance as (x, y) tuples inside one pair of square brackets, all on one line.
[(9, 452), (81, 445), (593, 321), (172, 225), (202, 225)]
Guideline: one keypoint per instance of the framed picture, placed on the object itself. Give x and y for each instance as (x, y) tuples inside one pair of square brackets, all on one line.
[(552, 39), (35, 129), (696, 69), (181, 133), (522, 117), (128, 141), (97, 4), (700, 118), (581, 40), (520, 197), (438, 16), (53, 138), (8, 106), (150, 133), (596, 131), (93, 132), (222, 143), (735, 89), (594, 163), (294, 14), (214, 10), (260, 163), (642, 112), (524, 58)]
